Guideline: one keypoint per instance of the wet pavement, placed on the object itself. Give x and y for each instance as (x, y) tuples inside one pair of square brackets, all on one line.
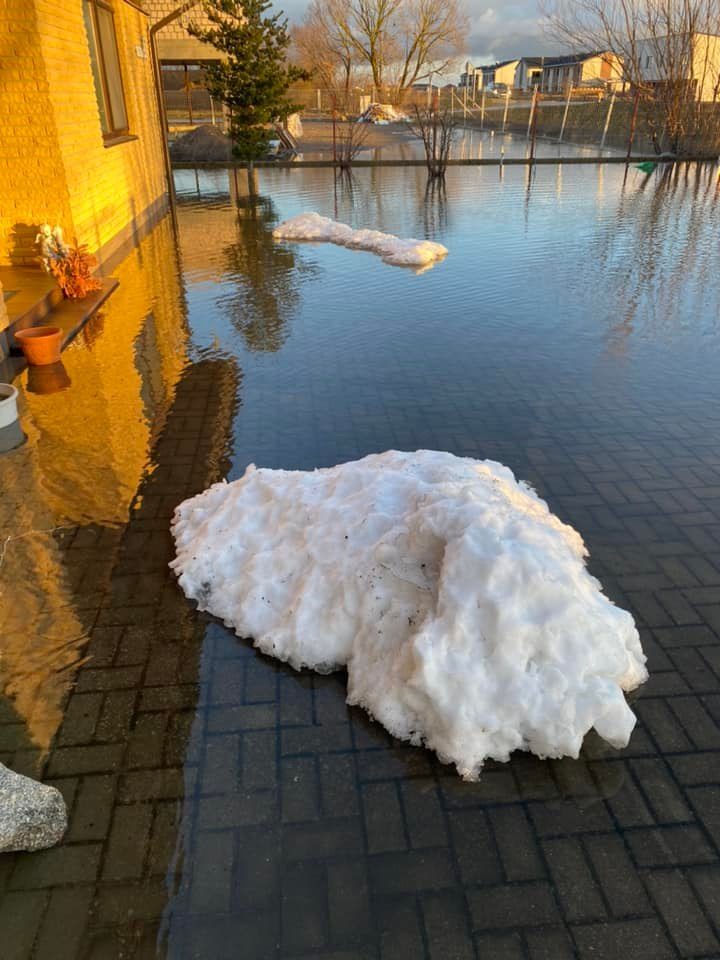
[(222, 805)]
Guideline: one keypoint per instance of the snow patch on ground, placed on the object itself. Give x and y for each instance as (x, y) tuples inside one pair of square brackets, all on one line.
[(459, 603), (404, 253)]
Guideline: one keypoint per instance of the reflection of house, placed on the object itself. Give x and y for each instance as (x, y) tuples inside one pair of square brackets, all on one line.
[(80, 141), (87, 452), (598, 69), (690, 60)]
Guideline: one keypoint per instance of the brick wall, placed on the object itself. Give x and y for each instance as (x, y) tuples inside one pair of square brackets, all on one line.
[(54, 164)]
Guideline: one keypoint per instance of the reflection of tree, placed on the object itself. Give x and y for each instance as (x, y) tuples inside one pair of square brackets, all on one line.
[(654, 254), (265, 277)]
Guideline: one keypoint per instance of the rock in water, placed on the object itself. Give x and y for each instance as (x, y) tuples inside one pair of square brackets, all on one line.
[(459, 603), (32, 815)]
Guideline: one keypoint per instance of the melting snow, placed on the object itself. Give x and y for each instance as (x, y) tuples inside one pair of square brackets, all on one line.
[(458, 602), (410, 253)]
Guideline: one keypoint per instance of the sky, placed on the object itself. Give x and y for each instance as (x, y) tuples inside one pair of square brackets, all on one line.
[(498, 31)]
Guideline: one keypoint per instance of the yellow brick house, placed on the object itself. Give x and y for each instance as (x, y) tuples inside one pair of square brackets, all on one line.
[(80, 136)]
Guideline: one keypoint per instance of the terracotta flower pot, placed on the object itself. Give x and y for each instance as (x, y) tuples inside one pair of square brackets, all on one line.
[(40, 345)]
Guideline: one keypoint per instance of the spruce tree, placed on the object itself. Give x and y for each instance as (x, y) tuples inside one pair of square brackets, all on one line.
[(254, 76)]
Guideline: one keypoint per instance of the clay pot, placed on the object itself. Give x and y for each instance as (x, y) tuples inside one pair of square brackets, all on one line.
[(40, 345), (11, 434), (49, 378)]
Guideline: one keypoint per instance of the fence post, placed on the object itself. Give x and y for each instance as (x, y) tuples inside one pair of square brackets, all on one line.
[(533, 107), (633, 121), (607, 119), (507, 103), (565, 114)]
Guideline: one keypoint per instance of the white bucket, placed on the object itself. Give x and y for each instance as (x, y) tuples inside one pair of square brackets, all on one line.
[(8, 404)]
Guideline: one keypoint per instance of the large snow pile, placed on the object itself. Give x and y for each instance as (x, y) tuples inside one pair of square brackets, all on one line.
[(382, 113), (402, 253), (460, 605)]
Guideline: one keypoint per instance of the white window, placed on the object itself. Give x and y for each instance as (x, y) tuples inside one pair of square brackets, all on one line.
[(105, 60)]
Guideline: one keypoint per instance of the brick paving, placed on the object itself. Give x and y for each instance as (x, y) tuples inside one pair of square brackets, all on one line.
[(223, 806)]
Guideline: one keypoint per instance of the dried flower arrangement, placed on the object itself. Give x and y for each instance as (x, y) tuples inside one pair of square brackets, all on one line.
[(71, 265)]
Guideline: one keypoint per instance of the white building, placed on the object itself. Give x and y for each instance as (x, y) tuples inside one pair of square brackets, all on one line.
[(693, 59)]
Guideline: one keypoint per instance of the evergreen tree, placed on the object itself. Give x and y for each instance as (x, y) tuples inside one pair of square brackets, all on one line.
[(254, 77)]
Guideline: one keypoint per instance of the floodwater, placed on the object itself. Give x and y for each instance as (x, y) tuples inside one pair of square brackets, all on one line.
[(222, 805)]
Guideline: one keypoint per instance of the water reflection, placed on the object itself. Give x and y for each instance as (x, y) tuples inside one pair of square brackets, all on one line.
[(90, 422)]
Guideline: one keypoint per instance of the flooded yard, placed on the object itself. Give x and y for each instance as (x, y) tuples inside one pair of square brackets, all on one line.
[(223, 805)]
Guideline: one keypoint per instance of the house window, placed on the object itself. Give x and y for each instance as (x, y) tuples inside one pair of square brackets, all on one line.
[(105, 62)]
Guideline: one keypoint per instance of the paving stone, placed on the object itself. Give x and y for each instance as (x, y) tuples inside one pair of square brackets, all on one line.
[(384, 825), (513, 905), (621, 887), (550, 943), (680, 910), (579, 894), (300, 793), (20, 918), (447, 926), (304, 907), (212, 867), (92, 811), (323, 838), (474, 847), (500, 946), (423, 814), (519, 852), (400, 927), (639, 939), (64, 924), (414, 870), (349, 912), (128, 842), (61, 865)]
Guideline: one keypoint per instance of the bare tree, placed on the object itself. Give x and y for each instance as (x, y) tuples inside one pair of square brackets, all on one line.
[(670, 57), (322, 47), (436, 129), (397, 41)]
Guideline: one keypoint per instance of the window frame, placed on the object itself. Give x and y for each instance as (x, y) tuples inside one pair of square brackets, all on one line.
[(113, 133)]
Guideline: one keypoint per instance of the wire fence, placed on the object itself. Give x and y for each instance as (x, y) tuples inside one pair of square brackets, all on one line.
[(579, 115)]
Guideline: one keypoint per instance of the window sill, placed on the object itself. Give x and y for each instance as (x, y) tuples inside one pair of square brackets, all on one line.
[(121, 138)]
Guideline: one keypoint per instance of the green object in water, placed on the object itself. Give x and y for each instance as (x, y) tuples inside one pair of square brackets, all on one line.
[(648, 166)]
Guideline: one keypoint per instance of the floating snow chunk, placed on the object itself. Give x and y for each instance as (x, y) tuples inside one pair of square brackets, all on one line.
[(382, 113), (458, 602), (402, 253)]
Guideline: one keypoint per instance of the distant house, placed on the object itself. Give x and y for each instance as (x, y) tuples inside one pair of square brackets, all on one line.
[(528, 73), (502, 72), (600, 68), (471, 77), (80, 138), (694, 61)]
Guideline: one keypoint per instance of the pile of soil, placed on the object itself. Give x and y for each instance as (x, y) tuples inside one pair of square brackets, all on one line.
[(203, 143)]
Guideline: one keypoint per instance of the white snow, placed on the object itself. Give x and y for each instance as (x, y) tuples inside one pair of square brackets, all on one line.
[(312, 226), (459, 603)]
